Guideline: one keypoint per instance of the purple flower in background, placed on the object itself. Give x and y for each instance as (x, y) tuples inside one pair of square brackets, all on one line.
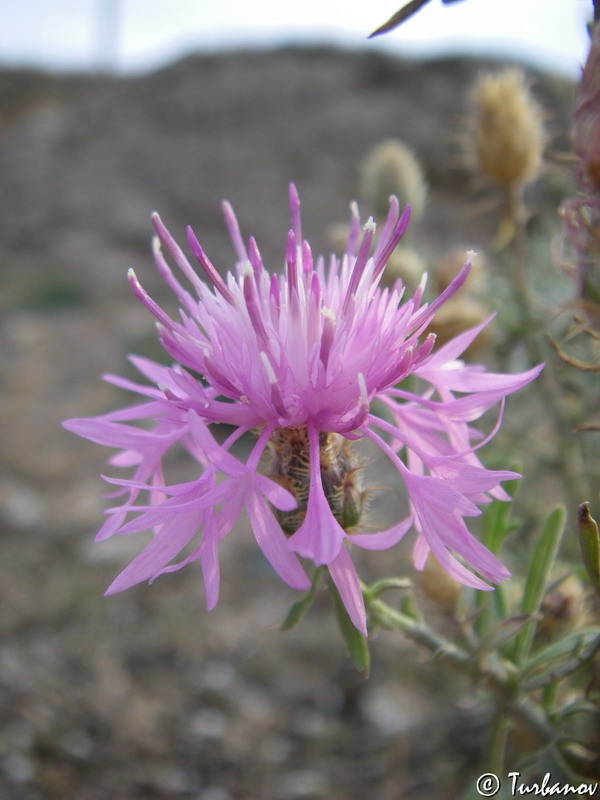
[(298, 359)]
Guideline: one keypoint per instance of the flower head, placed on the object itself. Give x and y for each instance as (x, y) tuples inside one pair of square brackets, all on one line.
[(299, 359)]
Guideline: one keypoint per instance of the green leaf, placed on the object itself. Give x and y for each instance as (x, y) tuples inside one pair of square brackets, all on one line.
[(561, 658), (495, 529), (300, 607), (538, 573), (356, 643), (501, 633)]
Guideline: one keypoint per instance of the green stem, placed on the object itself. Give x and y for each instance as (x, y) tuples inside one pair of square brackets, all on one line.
[(497, 744), (496, 675)]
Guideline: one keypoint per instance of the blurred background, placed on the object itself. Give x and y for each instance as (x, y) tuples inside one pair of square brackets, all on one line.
[(108, 111)]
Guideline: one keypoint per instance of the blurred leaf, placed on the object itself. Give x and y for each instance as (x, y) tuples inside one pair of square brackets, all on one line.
[(495, 524), (376, 589), (561, 658), (589, 542), (495, 529), (540, 566), (408, 607), (578, 706), (550, 761), (501, 633), (300, 607), (356, 643), (399, 17), (403, 14)]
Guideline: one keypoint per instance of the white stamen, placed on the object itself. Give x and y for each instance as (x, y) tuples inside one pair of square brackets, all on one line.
[(268, 368), (370, 225), (156, 244), (327, 312)]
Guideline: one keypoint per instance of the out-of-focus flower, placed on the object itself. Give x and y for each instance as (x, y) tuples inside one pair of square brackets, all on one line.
[(507, 133), (299, 359), (505, 141), (391, 167)]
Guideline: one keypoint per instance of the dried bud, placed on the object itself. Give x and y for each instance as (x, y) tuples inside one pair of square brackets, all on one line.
[(563, 609), (392, 168), (438, 586), (507, 134)]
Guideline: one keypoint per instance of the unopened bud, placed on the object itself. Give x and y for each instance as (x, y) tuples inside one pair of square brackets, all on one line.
[(589, 542), (507, 134), (288, 463), (391, 168)]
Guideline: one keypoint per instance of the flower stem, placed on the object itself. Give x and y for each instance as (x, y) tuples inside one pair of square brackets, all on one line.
[(497, 675)]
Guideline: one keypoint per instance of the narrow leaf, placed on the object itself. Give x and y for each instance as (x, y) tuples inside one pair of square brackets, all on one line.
[(501, 632), (399, 17), (298, 609), (375, 590), (540, 566), (561, 658), (356, 643)]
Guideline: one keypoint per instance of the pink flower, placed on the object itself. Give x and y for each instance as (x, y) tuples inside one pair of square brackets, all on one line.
[(299, 359)]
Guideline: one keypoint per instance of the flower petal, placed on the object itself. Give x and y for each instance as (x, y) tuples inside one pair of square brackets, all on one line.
[(164, 546), (272, 542), (384, 539), (346, 580)]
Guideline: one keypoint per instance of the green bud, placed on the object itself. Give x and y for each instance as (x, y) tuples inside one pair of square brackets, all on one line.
[(589, 542)]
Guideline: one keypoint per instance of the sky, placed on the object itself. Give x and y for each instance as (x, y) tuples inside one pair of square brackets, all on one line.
[(132, 36)]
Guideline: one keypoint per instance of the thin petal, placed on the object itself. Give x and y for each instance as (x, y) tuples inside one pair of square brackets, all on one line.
[(276, 495), (166, 544), (209, 559), (272, 542), (384, 539), (346, 580), (320, 536)]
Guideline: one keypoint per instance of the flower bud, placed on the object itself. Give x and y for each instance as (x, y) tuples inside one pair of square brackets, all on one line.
[(392, 168), (288, 463), (507, 134), (438, 586), (589, 542)]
